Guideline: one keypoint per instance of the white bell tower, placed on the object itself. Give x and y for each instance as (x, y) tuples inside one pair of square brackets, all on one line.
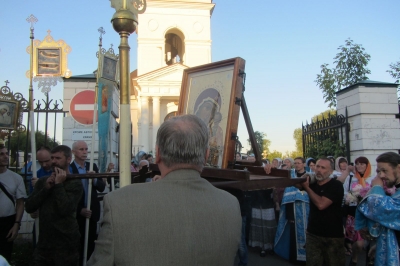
[(172, 35), (174, 32)]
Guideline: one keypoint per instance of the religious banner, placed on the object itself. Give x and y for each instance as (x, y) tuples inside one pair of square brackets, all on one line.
[(104, 96), (50, 62), (49, 57)]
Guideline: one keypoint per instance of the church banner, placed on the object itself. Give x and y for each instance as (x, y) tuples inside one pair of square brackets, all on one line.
[(104, 101)]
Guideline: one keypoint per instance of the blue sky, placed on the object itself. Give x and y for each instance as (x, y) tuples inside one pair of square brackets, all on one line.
[(283, 42)]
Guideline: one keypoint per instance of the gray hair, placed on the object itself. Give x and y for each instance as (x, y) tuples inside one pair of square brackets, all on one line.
[(328, 160), (76, 144), (183, 140)]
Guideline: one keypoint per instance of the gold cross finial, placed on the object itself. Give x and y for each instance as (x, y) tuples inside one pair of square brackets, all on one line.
[(48, 32), (32, 19)]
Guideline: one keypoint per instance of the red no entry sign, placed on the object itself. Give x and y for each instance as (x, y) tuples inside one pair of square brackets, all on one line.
[(82, 106)]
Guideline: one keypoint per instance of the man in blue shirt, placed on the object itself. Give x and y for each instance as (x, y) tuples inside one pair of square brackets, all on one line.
[(80, 166), (43, 156)]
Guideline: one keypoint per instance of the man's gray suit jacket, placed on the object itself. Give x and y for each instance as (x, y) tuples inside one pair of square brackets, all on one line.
[(179, 220)]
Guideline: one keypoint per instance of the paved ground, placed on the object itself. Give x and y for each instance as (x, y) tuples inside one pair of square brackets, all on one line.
[(23, 251), (274, 260)]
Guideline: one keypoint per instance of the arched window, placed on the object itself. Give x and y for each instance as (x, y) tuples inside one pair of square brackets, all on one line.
[(174, 47)]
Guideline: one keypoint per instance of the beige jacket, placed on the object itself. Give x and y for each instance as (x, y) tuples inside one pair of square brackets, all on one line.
[(179, 220)]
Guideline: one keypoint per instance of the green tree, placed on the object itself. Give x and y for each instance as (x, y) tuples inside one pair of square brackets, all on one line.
[(18, 143), (395, 73), (298, 139), (274, 154), (262, 142), (350, 67), (324, 114)]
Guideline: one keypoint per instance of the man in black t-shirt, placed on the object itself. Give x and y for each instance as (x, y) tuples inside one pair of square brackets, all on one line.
[(324, 243)]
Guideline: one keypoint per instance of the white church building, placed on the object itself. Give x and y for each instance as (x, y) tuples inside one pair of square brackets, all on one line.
[(171, 36)]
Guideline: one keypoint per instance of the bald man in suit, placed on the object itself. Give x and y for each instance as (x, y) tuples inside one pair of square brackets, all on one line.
[(181, 219)]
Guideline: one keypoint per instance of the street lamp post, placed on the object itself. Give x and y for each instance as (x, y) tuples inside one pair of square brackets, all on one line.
[(124, 22)]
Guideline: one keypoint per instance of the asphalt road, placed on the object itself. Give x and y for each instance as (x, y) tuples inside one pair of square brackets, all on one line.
[(274, 260)]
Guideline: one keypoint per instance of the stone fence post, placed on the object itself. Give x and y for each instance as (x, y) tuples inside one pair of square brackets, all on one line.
[(374, 129)]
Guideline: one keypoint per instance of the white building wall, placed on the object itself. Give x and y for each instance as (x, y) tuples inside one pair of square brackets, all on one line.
[(373, 126)]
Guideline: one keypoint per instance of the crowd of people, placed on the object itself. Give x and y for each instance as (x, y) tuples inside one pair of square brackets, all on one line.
[(326, 218), (182, 219)]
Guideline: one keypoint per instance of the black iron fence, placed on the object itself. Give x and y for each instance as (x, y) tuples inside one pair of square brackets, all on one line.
[(48, 117), (327, 137)]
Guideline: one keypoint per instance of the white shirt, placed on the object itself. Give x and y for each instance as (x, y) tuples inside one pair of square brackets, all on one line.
[(14, 184)]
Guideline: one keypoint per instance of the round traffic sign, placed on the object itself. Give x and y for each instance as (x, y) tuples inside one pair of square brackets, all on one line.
[(82, 106)]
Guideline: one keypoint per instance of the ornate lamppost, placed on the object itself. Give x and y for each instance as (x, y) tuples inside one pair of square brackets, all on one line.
[(124, 22)]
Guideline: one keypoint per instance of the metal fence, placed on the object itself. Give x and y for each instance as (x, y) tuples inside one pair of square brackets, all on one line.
[(48, 119), (327, 137)]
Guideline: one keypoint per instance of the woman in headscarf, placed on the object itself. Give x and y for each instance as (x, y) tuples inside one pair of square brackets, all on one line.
[(288, 164), (141, 155), (276, 163), (361, 180)]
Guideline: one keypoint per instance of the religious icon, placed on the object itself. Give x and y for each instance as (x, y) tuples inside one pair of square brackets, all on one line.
[(8, 114), (109, 69), (207, 108), (210, 92), (48, 61), (104, 99)]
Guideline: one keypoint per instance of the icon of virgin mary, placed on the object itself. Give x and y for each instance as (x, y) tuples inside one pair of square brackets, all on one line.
[(207, 108)]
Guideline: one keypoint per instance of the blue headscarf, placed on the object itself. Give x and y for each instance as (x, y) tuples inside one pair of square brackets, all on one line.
[(138, 157)]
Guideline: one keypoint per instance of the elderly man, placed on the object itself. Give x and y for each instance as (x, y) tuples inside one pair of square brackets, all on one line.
[(378, 215), (57, 198), (325, 238), (179, 220), (80, 166), (12, 194)]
